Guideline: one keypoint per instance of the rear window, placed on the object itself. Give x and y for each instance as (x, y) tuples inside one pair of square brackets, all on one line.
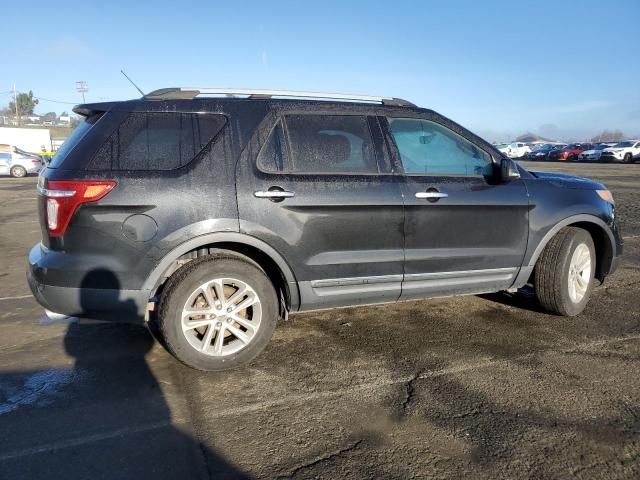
[(157, 141), (73, 140)]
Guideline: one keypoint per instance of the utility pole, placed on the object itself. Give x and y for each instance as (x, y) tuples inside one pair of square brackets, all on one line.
[(82, 87), (15, 104)]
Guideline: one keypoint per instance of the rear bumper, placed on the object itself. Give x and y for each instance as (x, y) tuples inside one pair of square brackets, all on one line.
[(113, 303)]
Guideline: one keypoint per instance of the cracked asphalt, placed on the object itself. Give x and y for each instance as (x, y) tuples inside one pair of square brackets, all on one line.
[(483, 386)]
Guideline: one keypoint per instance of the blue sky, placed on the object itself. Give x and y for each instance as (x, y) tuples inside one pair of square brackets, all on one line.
[(563, 68)]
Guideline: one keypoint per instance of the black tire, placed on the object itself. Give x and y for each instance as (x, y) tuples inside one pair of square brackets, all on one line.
[(628, 158), (551, 278), (18, 171), (187, 279)]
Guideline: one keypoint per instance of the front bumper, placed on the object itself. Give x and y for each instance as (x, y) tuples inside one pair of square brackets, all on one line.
[(114, 304)]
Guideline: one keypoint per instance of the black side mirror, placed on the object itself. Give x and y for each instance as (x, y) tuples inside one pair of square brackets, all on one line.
[(508, 170)]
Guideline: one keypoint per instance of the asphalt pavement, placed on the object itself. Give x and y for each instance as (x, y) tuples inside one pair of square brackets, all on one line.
[(483, 386)]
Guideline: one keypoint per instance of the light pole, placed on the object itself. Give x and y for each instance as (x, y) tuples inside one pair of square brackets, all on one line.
[(15, 103), (82, 87)]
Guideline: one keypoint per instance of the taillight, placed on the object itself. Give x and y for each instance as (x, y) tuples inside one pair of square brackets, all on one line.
[(63, 197)]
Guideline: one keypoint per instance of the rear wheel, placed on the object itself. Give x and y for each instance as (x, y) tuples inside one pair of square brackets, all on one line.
[(18, 171), (564, 274), (217, 313)]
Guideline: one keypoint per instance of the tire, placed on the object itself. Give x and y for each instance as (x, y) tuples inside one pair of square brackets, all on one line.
[(18, 171), (572, 158), (628, 158), (190, 346), (552, 272)]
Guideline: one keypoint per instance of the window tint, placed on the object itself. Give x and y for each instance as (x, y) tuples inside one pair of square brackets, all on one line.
[(430, 149), (69, 144), (271, 157), (157, 141), (330, 144)]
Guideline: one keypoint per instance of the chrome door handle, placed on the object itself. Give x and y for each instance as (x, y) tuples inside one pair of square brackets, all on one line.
[(273, 194), (432, 195)]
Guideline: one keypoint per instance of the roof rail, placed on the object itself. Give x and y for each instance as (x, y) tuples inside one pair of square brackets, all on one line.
[(190, 93)]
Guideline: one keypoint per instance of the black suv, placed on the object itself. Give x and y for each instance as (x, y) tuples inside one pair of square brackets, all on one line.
[(213, 213)]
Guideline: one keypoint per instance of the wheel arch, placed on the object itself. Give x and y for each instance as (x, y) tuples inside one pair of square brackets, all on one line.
[(601, 234), (238, 244)]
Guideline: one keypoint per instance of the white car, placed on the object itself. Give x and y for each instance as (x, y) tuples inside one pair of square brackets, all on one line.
[(18, 164), (516, 150), (623, 151), (593, 155)]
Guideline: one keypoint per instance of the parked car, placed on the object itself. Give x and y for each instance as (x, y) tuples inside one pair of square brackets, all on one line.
[(502, 147), (542, 151), (593, 155), (570, 152), (18, 163), (518, 150), (214, 216), (623, 151)]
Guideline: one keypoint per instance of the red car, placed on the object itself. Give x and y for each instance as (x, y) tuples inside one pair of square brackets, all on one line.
[(570, 152)]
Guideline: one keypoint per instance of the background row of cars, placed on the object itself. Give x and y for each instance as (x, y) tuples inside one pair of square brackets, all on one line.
[(626, 151)]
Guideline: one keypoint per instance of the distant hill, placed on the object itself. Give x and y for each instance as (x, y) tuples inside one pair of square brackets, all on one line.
[(532, 137)]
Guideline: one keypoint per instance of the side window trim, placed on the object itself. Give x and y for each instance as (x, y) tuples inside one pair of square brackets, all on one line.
[(397, 159), (378, 143)]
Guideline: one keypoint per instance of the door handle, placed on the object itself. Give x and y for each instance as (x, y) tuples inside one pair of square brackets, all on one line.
[(273, 194), (432, 195)]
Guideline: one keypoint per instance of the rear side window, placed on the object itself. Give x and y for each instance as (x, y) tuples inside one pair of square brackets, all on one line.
[(427, 148), (157, 141), (322, 144)]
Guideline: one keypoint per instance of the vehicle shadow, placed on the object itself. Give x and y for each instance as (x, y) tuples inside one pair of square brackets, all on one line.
[(524, 298), (109, 417)]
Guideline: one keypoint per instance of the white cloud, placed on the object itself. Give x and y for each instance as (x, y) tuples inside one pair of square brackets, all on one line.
[(579, 107), (67, 47)]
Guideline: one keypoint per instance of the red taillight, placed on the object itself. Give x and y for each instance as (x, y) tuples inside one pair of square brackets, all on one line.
[(63, 197)]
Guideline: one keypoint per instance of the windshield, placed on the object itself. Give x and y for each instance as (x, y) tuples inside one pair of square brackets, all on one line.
[(73, 139), (624, 145)]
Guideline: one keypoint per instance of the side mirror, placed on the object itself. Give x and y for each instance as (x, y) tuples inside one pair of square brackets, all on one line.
[(508, 170)]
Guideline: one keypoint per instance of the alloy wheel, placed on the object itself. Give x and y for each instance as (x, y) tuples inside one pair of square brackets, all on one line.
[(221, 317)]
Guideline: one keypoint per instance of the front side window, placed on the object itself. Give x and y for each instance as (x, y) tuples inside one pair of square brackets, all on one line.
[(427, 148), (330, 144)]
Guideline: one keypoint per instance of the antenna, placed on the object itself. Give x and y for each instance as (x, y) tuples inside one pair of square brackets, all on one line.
[(127, 77)]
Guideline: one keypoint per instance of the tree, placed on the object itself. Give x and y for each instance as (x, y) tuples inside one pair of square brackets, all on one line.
[(608, 136), (49, 117), (26, 104)]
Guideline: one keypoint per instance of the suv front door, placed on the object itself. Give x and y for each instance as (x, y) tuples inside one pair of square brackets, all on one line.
[(465, 232), (318, 188)]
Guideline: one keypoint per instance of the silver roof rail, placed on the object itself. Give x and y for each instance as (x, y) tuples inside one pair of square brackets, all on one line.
[(190, 93)]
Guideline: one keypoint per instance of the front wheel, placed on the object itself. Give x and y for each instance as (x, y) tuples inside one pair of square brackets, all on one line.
[(628, 158), (18, 171), (217, 313), (564, 274)]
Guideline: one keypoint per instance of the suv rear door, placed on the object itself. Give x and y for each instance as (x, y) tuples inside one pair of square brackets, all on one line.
[(465, 232), (337, 216)]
